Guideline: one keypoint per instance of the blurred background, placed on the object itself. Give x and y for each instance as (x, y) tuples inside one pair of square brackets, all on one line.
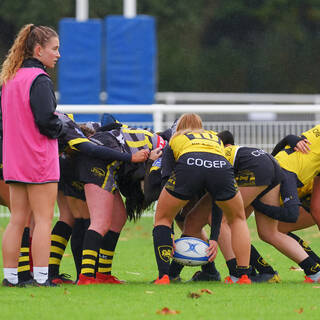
[(253, 46)]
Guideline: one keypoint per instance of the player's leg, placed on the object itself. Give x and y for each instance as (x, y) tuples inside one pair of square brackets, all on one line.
[(42, 200), (167, 208), (268, 232), (240, 237), (100, 203), (109, 243), (60, 236), (12, 235)]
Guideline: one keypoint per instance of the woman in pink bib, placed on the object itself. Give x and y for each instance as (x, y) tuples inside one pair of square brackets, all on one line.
[(30, 148)]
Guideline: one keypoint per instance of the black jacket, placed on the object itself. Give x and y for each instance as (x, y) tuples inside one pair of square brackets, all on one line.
[(43, 103)]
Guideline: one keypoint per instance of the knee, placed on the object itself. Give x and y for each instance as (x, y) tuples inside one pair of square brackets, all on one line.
[(266, 236)]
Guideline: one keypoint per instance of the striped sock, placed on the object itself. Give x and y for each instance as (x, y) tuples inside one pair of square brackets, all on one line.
[(59, 239), (106, 252), (91, 246)]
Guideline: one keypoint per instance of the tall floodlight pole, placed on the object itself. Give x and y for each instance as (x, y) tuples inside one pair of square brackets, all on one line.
[(82, 10), (129, 8)]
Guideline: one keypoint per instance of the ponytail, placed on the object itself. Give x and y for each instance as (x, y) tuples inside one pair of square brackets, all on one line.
[(28, 37)]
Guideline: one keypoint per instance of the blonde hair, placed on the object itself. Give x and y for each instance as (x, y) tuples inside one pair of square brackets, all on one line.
[(28, 37), (188, 122)]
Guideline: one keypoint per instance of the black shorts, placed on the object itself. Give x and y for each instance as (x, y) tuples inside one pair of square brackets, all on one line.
[(198, 172), (98, 172), (255, 167), (69, 183)]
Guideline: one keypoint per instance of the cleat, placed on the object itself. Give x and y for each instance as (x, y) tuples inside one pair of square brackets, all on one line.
[(164, 280), (62, 278), (244, 279), (175, 279), (205, 276), (85, 280), (47, 283), (7, 283), (312, 278), (107, 279), (266, 277)]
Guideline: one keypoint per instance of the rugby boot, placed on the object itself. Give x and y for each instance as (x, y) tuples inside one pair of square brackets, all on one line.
[(244, 279), (313, 278), (266, 277), (62, 278), (205, 276), (107, 279), (85, 280), (164, 280)]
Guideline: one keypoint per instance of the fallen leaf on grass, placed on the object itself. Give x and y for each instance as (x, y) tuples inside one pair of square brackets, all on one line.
[(194, 295), (167, 311), (150, 292), (299, 310), (65, 291), (32, 295), (292, 268), (206, 291)]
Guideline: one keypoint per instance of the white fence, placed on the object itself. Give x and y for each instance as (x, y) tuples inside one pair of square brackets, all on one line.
[(264, 134)]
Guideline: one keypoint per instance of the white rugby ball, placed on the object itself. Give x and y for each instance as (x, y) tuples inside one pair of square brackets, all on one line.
[(191, 251)]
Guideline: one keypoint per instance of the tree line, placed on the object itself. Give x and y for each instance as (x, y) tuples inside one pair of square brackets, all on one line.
[(267, 46)]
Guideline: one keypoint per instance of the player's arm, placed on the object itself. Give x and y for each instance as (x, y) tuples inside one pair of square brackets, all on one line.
[(152, 178), (295, 142), (289, 194), (168, 164), (106, 153), (216, 216), (43, 105)]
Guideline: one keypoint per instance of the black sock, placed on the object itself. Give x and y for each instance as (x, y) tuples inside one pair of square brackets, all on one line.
[(309, 266), (24, 260), (91, 246), (106, 253), (175, 269), (162, 242), (241, 270), (232, 266), (209, 267), (305, 247), (259, 263), (60, 235), (77, 238)]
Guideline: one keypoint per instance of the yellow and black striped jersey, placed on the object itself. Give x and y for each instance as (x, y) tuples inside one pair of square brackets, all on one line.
[(231, 153), (305, 166), (73, 134), (135, 139), (206, 141)]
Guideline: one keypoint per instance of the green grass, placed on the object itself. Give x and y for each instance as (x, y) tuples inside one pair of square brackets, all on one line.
[(138, 299)]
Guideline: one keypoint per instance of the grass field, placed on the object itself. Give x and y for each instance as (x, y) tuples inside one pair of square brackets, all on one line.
[(138, 299)]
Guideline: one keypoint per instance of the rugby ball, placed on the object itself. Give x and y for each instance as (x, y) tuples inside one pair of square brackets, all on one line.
[(191, 251)]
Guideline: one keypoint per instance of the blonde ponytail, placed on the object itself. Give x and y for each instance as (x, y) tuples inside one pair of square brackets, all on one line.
[(28, 37)]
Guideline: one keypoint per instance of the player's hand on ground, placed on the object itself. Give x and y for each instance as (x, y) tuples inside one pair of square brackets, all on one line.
[(140, 156), (212, 250), (155, 154), (303, 146)]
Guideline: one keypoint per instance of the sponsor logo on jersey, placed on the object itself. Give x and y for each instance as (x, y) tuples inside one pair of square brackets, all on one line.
[(206, 163)]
